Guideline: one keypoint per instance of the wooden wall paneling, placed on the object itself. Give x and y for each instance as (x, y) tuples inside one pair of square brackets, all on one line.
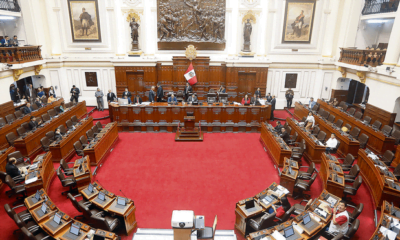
[(123, 114), (340, 95), (6, 109), (385, 117), (120, 78)]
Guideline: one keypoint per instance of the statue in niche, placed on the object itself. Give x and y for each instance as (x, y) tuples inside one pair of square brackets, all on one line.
[(247, 35), (134, 34)]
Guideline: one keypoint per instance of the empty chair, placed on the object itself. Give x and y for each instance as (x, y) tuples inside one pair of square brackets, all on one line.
[(331, 118), (350, 232), (358, 115), (301, 186), (57, 109), (285, 203), (321, 136), (50, 136), (67, 105), (223, 97), (355, 132), (363, 139), (69, 124), (2, 122), (45, 144), (84, 141), (208, 232), (315, 108), (339, 123), (66, 169), (325, 115), (377, 125), (352, 189), (351, 111), (99, 126), (179, 96), (351, 176), (396, 136), (321, 111), (74, 120), (265, 221), (107, 223), (15, 189), (21, 131), (31, 226), (297, 152), (90, 134), (299, 209), (76, 204), (66, 182), (88, 213), (11, 137), (367, 120), (356, 212), (10, 118), (52, 113), (95, 129), (344, 108), (78, 148), (46, 117), (396, 172), (36, 235), (342, 104), (288, 129), (307, 174), (26, 126), (388, 157), (387, 130), (62, 129), (347, 162), (18, 114), (34, 107), (293, 138), (23, 215), (315, 131), (211, 97)]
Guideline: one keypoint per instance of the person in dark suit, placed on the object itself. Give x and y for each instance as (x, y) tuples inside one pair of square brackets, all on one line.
[(160, 93), (254, 99), (172, 99), (289, 97), (137, 100), (127, 94), (110, 96), (57, 134), (30, 93), (268, 97), (17, 95), (284, 135), (152, 95), (74, 93), (278, 127), (188, 91), (12, 170), (258, 93), (39, 103), (33, 124), (273, 102), (28, 109), (192, 98)]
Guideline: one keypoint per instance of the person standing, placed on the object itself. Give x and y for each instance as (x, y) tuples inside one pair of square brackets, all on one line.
[(152, 95), (14, 41), (110, 96), (273, 102), (289, 97), (311, 104), (99, 97), (127, 94), (74, 93), (269, 98), (188, 91), (30, 93), (258, 93), (52, 92), (160, 93)]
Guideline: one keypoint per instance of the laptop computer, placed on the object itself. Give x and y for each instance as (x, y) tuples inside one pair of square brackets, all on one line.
[(288, 232), (307, 221), (121, 201), (43, 210), (36, 198), (57, 218), (75, 229), (101, 196)]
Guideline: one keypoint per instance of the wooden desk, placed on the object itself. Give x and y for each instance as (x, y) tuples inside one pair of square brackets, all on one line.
[(17, 123), (377, 183), (98, 149), (213, 118), (126, 215), (45, 173), (3, 161), (288, 180), (396, 160), (377, 142), (314, 151), (384, 221), (65, 148), (84, 178), (30, 145), (300, 111), (278, 151), (329, 182)]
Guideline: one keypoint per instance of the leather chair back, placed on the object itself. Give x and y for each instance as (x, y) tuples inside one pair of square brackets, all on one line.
[(285, 203), (339, 123), (10, 212), (338, 145), (98, 125), (2, 122), (331, 118), (352, 111), (11, 138), (287, 214), (363, 139), (46, 117), (45, 144), (26, 126), (388, 156), (313, 177), (357, 211), (355, 132), (288, 129), (294, 137), (78, 146), (349, 160), (85, 210), (18, 114), (358, 115), (367, 119), (28, 234), (377, 125), (266, 221), (74, 119), (3, 175), (387, 130), (44, 100), (315, 108), (57, 109), (74, 202), (348, 126), (67, 105), (21, 131), (69, 124), (342, 104), (61, 176), (321, 136), (357, 183), (223, 97), (311, 168), (52, 113), (10, 183), (352, 229), (354, 171), (10, 118), (95, 129), (34, 106), (62, 129), (83, 140), (38, 119), (100, 222), (89, 134), (325, 115), (345, 107), (211, 97), (50, 135), (396, 136), (179, 96), (63, 164), (321, 111), (396, 171), (315, 131)]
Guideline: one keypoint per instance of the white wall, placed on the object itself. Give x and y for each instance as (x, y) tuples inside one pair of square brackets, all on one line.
[(13, 27), (369, 34), (343, 84)]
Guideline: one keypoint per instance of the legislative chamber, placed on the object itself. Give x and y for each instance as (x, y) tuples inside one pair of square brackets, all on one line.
[(200, 119)]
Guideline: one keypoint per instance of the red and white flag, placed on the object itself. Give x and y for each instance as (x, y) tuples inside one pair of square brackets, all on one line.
[(190, 75)]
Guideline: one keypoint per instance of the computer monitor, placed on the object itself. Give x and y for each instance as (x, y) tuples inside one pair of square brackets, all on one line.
[(98, 237), (57, 218), (290, 170), (44, 208), (101, 196), (90, 188), (37, 195), (289, 231), (123, 101), (249, 204), (306, 219), (75, 229), (121, 201)]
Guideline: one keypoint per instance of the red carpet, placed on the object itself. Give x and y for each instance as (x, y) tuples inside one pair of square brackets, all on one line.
[(98, 114), (162, 175)]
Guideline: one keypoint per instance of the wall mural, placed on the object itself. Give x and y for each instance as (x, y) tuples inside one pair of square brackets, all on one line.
[(197, 22), (85, 22), (299, 19)]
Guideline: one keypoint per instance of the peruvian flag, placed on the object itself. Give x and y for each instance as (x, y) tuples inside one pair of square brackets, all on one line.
[(190, 75)]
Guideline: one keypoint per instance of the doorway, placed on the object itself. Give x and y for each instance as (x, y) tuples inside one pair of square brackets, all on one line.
[(247, 85), (136, 84)]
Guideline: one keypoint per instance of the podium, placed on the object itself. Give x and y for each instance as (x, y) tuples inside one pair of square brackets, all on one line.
[(189, 132)]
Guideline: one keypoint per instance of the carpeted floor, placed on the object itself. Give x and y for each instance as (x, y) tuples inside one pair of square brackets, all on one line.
[(162, 175)]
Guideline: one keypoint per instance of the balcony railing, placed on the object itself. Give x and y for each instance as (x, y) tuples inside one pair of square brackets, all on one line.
[(362, 57), (380, 6), (16, 55), (10, 5)]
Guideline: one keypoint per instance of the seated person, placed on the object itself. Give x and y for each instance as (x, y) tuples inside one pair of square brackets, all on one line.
[(172, 99), (331, 143), (13, 170), (51, 99), (57, 134), (245, 100), (269, 97), (340, 220), (334, 103), (192, 98), (39, 102), (41, 93), (129, 99), (311, 103), (33, 124), (254, 99), (137, 100), (28, 109), (284, 135), (221, 90), (278, 127), (310, 120)]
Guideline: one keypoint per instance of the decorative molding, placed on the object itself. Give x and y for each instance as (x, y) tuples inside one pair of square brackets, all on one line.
[(132, 3), (191, 52), (17, 73), (250, 15), (362, 76), (132, 14), (250, 3), (38, 68), (343, 71)]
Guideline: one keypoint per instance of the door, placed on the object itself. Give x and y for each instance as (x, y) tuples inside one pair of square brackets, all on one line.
[(352, 91), (136, 84), (247, 85)]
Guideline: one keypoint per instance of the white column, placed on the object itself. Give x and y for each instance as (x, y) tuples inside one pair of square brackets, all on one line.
[(52, 12), (331, 24), (120, 30), (393, 51)]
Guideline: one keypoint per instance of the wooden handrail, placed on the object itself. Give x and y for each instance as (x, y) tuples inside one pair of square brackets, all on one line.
[(17, 55), (361, 57)]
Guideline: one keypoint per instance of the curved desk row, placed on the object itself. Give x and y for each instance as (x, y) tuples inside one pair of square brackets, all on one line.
[(384, 227), (41, 176), (331, 174), (3, 160), (274, 145)]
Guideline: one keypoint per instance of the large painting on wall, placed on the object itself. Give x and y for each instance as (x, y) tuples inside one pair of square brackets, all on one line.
[(85, 22), (299, 20)]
